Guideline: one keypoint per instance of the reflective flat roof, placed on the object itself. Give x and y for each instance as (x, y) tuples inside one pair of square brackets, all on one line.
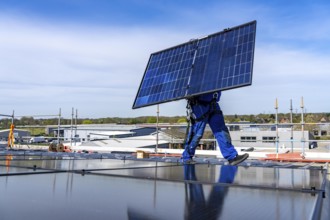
[(37, 185)]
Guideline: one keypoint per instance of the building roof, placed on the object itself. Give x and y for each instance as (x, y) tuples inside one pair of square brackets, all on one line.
[(118, 144), (114, 186)]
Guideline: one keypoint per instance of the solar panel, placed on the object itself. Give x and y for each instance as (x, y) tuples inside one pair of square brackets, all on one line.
[(219, 61)]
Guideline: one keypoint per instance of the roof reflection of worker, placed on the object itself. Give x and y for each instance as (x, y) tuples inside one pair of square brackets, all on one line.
[(197, 207), (9, 157)]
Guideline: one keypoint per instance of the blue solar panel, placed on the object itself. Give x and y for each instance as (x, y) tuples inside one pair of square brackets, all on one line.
[(220, 61)]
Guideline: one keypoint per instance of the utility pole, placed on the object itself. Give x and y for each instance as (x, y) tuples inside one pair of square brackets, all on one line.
[(156, 149), (291, 121), (75, 131), (276, 125), (71, 127), (58, 128), (302, 128)]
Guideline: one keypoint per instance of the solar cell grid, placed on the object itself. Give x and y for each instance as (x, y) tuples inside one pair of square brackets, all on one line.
[(219, 61)]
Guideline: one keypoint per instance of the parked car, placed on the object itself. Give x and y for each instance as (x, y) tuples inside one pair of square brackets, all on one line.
[(39, 139), (312, 145)]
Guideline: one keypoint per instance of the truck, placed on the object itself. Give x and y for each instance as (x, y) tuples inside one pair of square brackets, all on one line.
[(39, 139)]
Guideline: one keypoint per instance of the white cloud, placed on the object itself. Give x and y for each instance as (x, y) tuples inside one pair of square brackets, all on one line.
[(44, 66), (75, 65), (291, 62)]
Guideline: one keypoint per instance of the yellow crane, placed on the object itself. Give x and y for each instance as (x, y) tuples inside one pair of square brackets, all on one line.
[(11, 138)]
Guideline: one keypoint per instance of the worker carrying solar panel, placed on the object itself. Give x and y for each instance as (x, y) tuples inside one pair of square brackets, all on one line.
[(205, 109)]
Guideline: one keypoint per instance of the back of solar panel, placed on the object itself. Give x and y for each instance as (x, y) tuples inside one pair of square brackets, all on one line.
[(220, 61)]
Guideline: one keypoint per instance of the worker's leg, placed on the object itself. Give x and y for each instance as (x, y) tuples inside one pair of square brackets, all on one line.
[(195, 199), (219, 192), (195, 134), (221, 133)]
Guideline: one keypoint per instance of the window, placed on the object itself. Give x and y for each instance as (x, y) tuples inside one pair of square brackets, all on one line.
[(323, 133), (316, 132), (268, 139), (248, 139)]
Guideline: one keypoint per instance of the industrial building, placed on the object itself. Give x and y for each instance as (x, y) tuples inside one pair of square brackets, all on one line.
[(19, 134), (91, 132), (171, 136)]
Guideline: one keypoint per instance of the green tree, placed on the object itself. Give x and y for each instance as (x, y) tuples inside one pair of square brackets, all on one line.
[(87, 121), (151, 120), (27, 121), (182, 120)]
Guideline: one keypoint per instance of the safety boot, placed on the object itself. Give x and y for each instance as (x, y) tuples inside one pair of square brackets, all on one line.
[(238, 159)]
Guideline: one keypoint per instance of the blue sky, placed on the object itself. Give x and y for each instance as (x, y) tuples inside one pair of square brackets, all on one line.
[(91, 54)]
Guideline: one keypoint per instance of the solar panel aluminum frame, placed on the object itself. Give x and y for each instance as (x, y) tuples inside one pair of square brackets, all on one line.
[(230, 52)]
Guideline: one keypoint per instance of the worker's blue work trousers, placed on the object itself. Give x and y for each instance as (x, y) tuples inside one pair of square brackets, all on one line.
[(221, 134)]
